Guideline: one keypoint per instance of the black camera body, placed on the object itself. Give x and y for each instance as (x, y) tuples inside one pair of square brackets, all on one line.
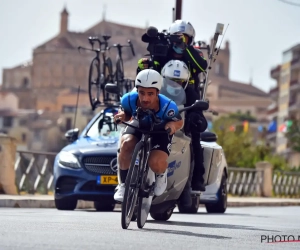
[(159, 42)]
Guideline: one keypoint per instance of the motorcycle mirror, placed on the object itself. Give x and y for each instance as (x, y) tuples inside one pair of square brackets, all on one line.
[(112, 88), (201, 105)]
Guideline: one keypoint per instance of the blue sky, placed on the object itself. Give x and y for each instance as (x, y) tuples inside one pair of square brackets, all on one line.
[(259, 30)]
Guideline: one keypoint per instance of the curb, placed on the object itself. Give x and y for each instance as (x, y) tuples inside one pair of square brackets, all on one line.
[(47, 202), (34, 203)]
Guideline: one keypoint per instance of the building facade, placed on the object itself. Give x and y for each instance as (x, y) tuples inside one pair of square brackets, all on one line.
[(49, 82), (286, 101)]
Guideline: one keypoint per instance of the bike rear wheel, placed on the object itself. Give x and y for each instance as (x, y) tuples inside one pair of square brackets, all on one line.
[(132, 186), (119, 77), (94, 83)]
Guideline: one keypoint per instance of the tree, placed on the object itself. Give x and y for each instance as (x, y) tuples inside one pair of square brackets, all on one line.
[(242, 117), (236, 144), (293, 135), (240, 148)]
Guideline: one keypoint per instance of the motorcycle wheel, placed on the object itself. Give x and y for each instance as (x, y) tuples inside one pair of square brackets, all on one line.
[(162, 216), (193, 209)]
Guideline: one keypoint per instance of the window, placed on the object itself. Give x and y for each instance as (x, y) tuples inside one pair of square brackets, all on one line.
[(7, 121), (37, 135), (68, 123), (25, 83), (23, 137), (219, 69), (68, 109)]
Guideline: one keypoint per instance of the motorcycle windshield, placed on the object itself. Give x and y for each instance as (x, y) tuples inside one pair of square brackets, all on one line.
[(174, 91)]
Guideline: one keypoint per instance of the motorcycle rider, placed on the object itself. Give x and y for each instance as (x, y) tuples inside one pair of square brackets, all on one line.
[(148, 83), (196, 64)]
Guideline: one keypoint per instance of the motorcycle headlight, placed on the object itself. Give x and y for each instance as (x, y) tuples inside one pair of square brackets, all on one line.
[(68, 160)]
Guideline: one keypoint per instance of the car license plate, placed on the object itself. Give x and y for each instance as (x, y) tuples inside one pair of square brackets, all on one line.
[(107, 180)]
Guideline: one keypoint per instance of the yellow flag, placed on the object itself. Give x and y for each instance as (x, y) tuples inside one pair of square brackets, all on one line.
[(246, 126)]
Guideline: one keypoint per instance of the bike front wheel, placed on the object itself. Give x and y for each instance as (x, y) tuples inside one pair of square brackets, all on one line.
[(147, 193), (132, 186), (107, 78)]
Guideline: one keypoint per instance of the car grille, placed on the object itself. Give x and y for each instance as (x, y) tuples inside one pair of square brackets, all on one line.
[(99, 164)]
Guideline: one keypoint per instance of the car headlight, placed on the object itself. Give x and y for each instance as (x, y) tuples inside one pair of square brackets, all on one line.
[(68, 160)]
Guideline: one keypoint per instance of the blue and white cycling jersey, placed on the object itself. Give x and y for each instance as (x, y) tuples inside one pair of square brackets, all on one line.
[(167, 112)]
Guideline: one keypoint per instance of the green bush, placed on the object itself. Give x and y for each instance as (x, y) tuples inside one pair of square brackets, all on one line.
[(240, 148)]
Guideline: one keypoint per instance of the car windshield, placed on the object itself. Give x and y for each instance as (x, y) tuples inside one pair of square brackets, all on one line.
[(173, 90), (104, 127)]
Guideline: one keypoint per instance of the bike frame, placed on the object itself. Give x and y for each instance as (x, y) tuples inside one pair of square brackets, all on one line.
[(142, 171), (119, 64)]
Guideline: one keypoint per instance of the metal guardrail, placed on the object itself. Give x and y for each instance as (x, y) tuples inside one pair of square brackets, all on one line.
[(244, 181), (34, 174), (286, 184)]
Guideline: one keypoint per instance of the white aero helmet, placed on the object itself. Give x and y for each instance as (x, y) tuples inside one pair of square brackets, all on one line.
[(175, 76), (176, 69), (148, 78), (183, 27)]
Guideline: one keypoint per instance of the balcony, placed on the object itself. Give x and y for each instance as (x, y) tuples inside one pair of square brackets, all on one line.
[(295, 63), (274, 93), (273, 110), (294, 105), (294, 85), (275, 72)]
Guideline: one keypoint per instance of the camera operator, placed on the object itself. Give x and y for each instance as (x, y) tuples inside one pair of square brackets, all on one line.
[(183, 50)]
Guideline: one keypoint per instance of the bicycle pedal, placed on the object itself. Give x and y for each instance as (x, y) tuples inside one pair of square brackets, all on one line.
[(194, 192)]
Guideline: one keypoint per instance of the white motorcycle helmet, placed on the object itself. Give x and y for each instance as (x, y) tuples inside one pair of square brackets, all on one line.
[(175, 75), (148, 78), (183, 27)]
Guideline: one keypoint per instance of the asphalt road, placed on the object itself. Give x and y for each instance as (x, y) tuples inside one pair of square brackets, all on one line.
[(238, 228)]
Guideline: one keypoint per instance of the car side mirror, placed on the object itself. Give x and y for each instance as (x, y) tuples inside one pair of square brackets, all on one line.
[(72, 134)]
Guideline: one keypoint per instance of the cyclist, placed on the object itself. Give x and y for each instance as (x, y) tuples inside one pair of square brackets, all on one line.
[(148, 83), (196, 64)]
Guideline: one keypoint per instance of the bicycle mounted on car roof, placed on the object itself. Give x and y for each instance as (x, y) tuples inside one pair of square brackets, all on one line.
[(106, 75)]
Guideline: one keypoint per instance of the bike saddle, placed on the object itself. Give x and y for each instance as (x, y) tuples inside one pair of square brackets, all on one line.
[(208, 136), (93, 37), (106, 38)]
